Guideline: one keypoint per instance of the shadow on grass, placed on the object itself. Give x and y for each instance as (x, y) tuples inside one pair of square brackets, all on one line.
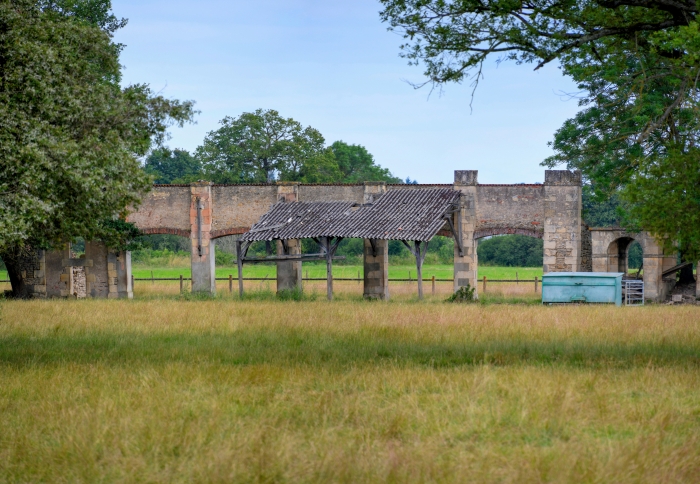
[(290, 347)]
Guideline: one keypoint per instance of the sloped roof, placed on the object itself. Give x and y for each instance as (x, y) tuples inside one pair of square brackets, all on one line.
[(399, 214)]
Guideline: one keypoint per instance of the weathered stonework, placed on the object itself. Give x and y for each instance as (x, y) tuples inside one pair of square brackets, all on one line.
[(586, 249), (465, 223), (610, 248), (562, 221), (203, 257), (376, 269)]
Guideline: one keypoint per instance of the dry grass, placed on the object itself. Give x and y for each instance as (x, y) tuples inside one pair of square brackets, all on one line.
[(168, 390)]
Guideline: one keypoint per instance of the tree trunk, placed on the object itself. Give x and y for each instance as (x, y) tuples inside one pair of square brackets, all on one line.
[(13, 260)]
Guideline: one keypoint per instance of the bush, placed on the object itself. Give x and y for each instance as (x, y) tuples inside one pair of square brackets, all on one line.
[(463, 294)]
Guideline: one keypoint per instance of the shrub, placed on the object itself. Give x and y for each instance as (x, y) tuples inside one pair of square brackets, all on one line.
[(463, 294)]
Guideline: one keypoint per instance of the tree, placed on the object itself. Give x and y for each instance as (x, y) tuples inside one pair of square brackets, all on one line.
[(636, 63), (173, 166), (357, 165), (70, 136), (263, 146), (511, 251)]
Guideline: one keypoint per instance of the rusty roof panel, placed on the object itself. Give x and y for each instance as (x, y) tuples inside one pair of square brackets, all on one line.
[(397, 215)]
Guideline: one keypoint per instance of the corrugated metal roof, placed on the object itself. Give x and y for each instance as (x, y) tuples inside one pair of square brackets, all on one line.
[(406, 214)]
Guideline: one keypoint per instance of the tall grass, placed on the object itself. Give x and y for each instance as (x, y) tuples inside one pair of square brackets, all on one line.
[(220, 390)]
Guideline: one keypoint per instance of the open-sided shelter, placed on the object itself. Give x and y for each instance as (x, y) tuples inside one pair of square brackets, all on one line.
[(412, 216)]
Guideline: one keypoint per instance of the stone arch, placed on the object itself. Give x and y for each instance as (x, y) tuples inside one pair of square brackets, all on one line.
[(215, 234), (481, 233)]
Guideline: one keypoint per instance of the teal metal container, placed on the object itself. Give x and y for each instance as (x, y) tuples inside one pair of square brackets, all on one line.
[(582, 287)]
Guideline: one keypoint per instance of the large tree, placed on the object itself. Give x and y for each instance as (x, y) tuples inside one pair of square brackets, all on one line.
[(173, 166), (637, 64), (263, 146), (70, 135), (356, 164)]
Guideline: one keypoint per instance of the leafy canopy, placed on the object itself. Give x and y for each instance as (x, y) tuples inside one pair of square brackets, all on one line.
[(637, 65), (71, 136), (263, 146), (173, 166)]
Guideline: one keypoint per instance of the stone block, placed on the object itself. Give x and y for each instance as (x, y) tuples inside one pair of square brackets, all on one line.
[(90, 277)]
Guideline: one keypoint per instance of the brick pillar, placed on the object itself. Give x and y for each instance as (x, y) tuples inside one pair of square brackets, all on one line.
[(59, 274), (123, 266), (562, 221), (202, 259), (376, 270), (465, 266), (288, 272), (376, 267)]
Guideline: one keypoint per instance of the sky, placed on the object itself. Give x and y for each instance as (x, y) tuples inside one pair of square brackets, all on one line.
[(333, 65)]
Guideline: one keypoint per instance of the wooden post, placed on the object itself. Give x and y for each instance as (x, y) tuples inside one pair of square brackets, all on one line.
[(535, 283), (484, 284), (433, 285), (230, 283), (358, 277), (153, 281), (181, 285), (516, 278), (419, 269), (239, 263), (132, 282), (329, 268)]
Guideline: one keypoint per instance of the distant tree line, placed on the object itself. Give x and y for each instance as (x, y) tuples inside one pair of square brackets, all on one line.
[(262, 147)]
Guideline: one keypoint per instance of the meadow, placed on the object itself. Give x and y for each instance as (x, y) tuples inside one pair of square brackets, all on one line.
[(171, 388)]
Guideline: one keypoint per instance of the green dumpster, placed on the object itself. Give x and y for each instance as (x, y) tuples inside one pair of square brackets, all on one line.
[(582, 287)]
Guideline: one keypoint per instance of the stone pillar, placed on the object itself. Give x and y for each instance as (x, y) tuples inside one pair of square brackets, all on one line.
[(465, 265), (100, 270), (376, 269), (289, 273), (562, 221), (202, 259), (59, 273), (123, 266), (32, 277), (376, 261)]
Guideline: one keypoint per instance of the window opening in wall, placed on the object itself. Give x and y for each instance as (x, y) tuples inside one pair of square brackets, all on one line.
[(161, 256)]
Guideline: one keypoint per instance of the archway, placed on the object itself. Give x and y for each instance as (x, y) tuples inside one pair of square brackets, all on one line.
[(617, 254)]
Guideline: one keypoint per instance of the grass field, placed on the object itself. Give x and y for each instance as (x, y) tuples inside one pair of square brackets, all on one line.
[(168, 389), (440, 271)]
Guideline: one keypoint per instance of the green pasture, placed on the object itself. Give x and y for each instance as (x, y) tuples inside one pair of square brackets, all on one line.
[(440, 271)]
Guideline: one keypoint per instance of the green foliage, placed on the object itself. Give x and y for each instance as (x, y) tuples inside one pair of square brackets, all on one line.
[(357, 165), (636, 64), (71, 135), (173, 243), (510, 251), (263, 146), (600, 209), (119, 235), (464, 294), (173, 166)]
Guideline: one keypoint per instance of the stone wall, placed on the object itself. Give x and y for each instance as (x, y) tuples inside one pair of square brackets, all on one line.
[(165, 209), (586, 249), (509, 209), (237, 208)]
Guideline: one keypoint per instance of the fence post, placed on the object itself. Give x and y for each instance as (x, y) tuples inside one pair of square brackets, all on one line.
[(132, 282), (181, 285), (358, 277), (307, 273), (484, 284), (433, 285), (516, 278), (535, 284), (153, 281), (409, 276), (230, 283)]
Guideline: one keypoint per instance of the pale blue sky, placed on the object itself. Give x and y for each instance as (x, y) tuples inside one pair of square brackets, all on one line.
[(334, 66)]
